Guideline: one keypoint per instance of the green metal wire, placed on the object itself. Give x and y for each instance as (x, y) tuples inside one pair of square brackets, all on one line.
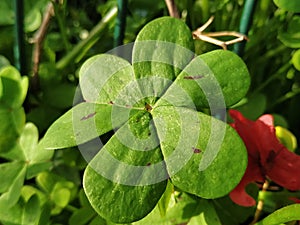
[(119, 32), (245, 24), (19, 47)]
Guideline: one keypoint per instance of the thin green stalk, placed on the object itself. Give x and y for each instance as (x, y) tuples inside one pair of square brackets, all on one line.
[(82, 47), (71, 208), (120, 26), (245, 23), (19, 48), (61, 26), (269, 54), (273, 52), (286, 97), (271, 78)]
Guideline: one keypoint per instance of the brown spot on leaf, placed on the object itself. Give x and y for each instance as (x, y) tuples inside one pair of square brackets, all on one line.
[(148, 164), (148, 107), (196, 150), (88, 116), (193, 77), (111, 102)]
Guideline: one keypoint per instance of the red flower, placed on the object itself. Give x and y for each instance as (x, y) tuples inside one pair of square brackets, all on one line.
[(267, 157)]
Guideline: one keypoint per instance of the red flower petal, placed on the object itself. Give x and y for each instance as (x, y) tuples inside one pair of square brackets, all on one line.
[(246, 130), (239, 194), (286, 170), (267, 157)]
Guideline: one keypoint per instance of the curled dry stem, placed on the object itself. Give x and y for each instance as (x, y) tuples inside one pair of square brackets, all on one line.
[(37, 41), (210, 36)]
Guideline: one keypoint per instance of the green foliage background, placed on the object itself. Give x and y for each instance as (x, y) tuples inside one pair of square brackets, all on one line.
[(45, 187)]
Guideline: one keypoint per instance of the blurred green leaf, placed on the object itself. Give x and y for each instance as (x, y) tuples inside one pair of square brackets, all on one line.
[(36, 168), (46, 181), (29, 141), (7, 13), (279, 120), (164, 201), (8, 173), (12, 122), (43, 116), (28, 191), (82, 216), (286, 138), (233, 214), (31, 211), (254, 106), (275, 200), (14, 87), (291, 37), (296, 59), (11, 196), (60, 196), (99, 221), (60, 96), (184, 208), (3, 63), (33, 20), (12, 215), (207, 214), (293, 6)]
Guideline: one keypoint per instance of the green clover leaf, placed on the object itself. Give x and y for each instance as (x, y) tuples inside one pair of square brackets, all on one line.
[(13, 90), (154, 109)]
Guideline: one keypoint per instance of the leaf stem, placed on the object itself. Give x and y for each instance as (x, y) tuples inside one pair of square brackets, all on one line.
[(287, 96), (260, 204), (19, 48), (245, 24), (173, 11), (61, 25), (120, 26), (37, 40), (271, 78), (71, 208), (77, 52)]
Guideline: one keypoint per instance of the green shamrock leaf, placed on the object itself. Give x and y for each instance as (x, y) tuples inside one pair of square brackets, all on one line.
[(154, 109), (13, 89)]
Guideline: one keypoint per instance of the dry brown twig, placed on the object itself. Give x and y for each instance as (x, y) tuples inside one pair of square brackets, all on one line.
[(37, 40), (173, 11), (209, 36)]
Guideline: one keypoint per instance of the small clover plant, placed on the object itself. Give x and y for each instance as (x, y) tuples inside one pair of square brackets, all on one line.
[(153, 111)]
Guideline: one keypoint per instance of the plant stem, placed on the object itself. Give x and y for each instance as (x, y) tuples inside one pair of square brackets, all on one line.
[(71, 208), (77, 52), (19, 48), (260, 204), (120, 26), (61, 25), (173, 11), (245, 24), (271, 78), (287, 96), (37, 40)]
